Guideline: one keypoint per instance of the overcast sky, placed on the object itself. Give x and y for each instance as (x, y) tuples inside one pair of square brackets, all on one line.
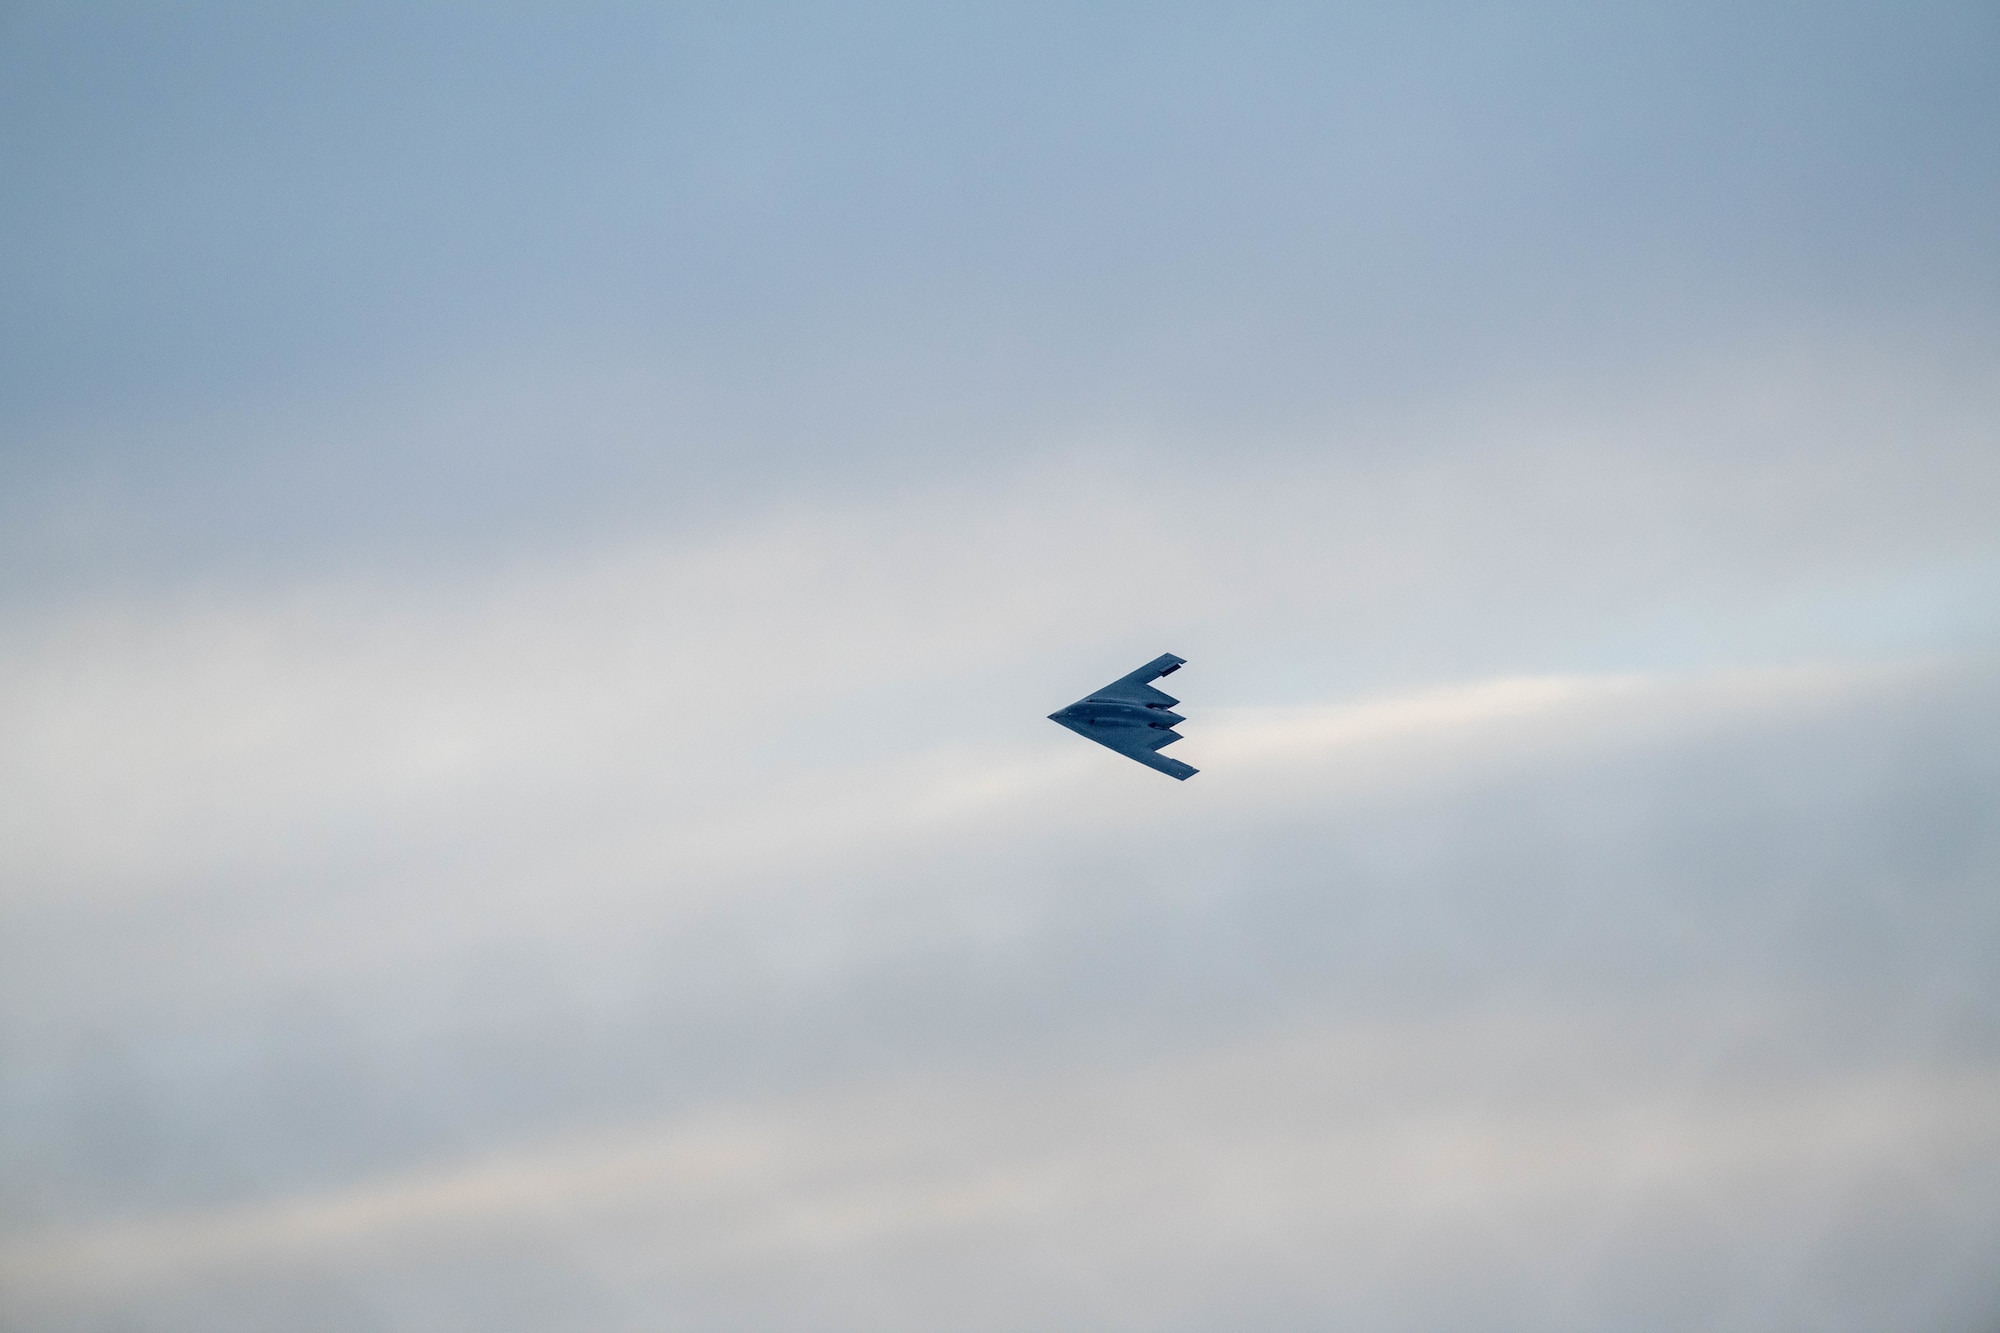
[(536, 546)]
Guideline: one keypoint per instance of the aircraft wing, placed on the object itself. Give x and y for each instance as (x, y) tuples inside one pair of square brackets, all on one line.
[(1135, 689), (1143, 744)]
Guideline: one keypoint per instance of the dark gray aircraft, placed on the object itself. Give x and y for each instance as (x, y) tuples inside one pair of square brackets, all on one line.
[(1131, 717)]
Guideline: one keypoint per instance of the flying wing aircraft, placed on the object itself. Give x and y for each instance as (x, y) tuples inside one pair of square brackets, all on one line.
[(1132, 717)]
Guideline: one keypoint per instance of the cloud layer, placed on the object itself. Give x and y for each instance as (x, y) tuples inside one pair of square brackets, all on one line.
[(540, 550)]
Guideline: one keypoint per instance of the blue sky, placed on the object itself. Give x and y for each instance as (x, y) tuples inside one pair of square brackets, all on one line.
[(541, 543), (852, 243)]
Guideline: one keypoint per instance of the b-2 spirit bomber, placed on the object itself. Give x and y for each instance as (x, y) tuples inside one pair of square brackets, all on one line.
[(1132, 717)]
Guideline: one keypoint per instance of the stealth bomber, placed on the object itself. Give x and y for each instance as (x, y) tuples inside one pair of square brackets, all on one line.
[(1132, 717)]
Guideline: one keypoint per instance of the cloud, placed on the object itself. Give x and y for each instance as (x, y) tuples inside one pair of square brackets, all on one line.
[(540, 554), (1539, 994), (1368, 1171)]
